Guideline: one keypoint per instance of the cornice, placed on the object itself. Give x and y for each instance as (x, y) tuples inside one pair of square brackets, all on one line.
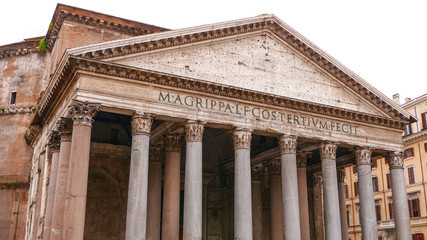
[(409, 139), (19, 49), (266, 23), (16, 110), (71, 65), (64, 12)]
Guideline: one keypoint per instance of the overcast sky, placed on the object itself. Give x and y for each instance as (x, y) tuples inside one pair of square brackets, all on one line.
[(383, 41)]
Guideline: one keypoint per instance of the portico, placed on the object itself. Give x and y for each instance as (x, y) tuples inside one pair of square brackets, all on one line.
[(203, 124)]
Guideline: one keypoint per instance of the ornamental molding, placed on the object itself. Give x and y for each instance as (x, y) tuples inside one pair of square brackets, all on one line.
[(19, 49), (317, 179), (156, 153), (287, 144), (273, 166), (173, 142), (142, 122), (363, 156), (53, 141), (302, 157), (395, 160), (194, 130), (73, 64), (262, 24), (328, 150), (242, 138), (31, 134), (83, 112), (16, 110)]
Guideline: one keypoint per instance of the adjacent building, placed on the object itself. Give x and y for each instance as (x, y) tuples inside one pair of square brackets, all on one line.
[(415, 169)]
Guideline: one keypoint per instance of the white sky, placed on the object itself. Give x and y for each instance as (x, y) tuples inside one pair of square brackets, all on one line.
[(383, 41)]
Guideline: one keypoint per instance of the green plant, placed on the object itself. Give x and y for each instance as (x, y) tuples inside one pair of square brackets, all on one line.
[(50, 26), (42, 45)]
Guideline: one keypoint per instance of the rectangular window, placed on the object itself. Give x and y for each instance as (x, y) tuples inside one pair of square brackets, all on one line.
[(375, 184), (378, 212), (390, 210), (356, 191), (388, 180), (354, 169), (409, 152), (414, 208), (345, 191), (408, 130), (418, 236), (423, 120), (12, 98), (348, 216), (425, 146), (411, 175)]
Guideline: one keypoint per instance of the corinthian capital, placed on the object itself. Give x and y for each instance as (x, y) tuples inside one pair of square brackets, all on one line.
[(302, 157), (194, 130), (256, 173), (287, 144), (83, 112), (340, 174), (273, 166), (53, 141), (65, 129), (142, 122), (395, 160), (328, 150), (173, 142), (156, 153), (242, 137), (363, 156)]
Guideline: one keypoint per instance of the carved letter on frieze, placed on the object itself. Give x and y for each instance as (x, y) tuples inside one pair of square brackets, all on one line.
[(142, 122), (363, 156), (242, 138), (194, 130), (302, 157), (287, 144), (328, 150), (83, 112), (173, 142), (273, 166), (65, 129), (156, 153), (395, 160), (317, 179), (256, 173)]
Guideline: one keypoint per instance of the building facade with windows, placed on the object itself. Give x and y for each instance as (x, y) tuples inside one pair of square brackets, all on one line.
[(415, 169), (114, 129)]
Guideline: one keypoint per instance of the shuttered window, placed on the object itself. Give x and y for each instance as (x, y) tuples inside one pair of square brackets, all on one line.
[(375, 184), (378, 212), (414, 208), (356, 191), (411, 175), (409, 152), (424, 120), (388, 180)]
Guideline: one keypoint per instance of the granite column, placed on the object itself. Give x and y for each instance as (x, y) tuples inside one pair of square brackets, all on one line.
[(343, 209), (256, 202), (318, 209), (136, 218), (302, 194), (154, 193), (193, 183), (276, 207), (242, 184)]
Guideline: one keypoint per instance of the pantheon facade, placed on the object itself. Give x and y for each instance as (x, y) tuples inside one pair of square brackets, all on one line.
[(232, 130)]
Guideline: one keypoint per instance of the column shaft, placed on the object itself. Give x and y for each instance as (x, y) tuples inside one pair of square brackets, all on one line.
[(256, 203), (154, 193), (276, 208), (318, 209), (136, 218), (77, 181), (399, 196), (170, 223), (330, 191), (193, 183), (51, 191), (242, 185), (65, 126), (366, 194), (303, 195), (343, 209), (290, 202)]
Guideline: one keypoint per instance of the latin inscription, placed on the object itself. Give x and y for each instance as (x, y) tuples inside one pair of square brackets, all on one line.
[(256, 112)]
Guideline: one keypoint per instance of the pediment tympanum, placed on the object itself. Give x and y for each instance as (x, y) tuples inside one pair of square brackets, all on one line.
[(260, 63)]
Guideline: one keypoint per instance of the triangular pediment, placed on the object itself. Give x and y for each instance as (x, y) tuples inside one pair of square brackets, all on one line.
[(261, 54)]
